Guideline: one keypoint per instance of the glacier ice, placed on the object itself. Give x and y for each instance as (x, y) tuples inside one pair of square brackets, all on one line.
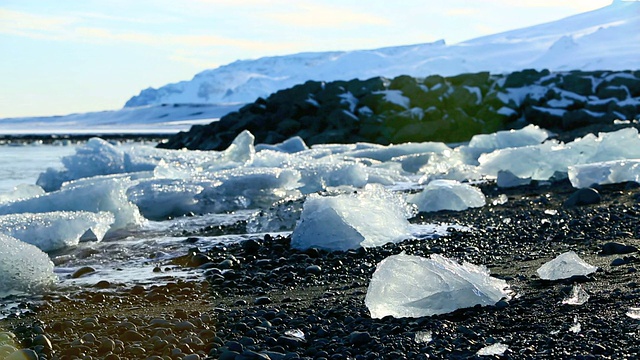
[(634, 313), (564, 266), (292, 145), (447, 195), (529, 135), (55, 230), (496, 349), (606, 172), (370, 217), (413, 286), (225, 190), (22, 191), (542, 162), (99, 157), (24, 267), (93, 196), (578, 296)]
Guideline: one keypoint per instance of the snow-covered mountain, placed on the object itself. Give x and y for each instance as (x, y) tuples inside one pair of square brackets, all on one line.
[(150, 119), (603, 39)]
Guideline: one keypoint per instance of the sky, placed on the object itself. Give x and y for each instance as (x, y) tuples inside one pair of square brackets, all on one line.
[(73, 56)]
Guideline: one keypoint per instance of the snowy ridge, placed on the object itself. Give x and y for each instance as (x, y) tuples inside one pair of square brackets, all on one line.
[(157, 119), (598, 40)]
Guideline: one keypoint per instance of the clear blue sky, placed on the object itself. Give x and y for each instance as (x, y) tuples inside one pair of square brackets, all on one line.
[(65, 56)]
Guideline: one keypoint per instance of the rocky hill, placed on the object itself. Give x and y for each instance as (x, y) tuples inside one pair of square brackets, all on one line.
[(435, 108)]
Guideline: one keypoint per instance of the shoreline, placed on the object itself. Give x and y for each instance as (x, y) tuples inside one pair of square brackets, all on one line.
[(254, 295)]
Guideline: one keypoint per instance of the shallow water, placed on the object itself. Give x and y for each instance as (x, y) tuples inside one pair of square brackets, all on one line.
[(23, 163)]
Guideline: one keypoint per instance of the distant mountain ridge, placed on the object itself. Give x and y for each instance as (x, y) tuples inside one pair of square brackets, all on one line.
[(603, 39)]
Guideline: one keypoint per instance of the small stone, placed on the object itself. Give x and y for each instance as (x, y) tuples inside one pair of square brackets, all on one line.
[(618, 262), (599, 349), (290, 341), (234, 346), (131, 335), (614, 248), (42, 340), (82, 271), (103, 284), (251, 246), (358, 338), (228, 355), (263, 300), (585, 196), (25, 354), (184, 325), (313, 269)]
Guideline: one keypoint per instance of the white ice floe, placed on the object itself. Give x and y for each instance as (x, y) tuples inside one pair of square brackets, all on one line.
[(447, 195), (93, 196), (607, 172), (413, 286), (578, 296), (371, 217), (564, 266), (55, 230), (24, 267), (496, 349)]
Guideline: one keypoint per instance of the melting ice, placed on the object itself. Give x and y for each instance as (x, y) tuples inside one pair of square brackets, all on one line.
[(360, 189), (414, 286), (564, 266)]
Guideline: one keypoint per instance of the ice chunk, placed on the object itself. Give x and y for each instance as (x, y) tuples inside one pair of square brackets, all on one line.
[(448, 195), (292, 145), (95, 157), (159, 199), (386, 153), (607, 172), (578, 296), (541, 162), (322, 175), (23, 191), (575, 328), (226, 190), (634, 313), (55, 230), (529, 135), (506, 179), (24, 267), (496, 349), (98, 157), (423, 337), (93, 196), (565, 266), (371, 217), (414, 286)]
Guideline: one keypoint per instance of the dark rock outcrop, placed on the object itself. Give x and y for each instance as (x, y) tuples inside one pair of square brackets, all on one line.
[(436, 108)]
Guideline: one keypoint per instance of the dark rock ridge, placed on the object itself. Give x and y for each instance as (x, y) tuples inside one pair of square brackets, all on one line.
[(435, 108)]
